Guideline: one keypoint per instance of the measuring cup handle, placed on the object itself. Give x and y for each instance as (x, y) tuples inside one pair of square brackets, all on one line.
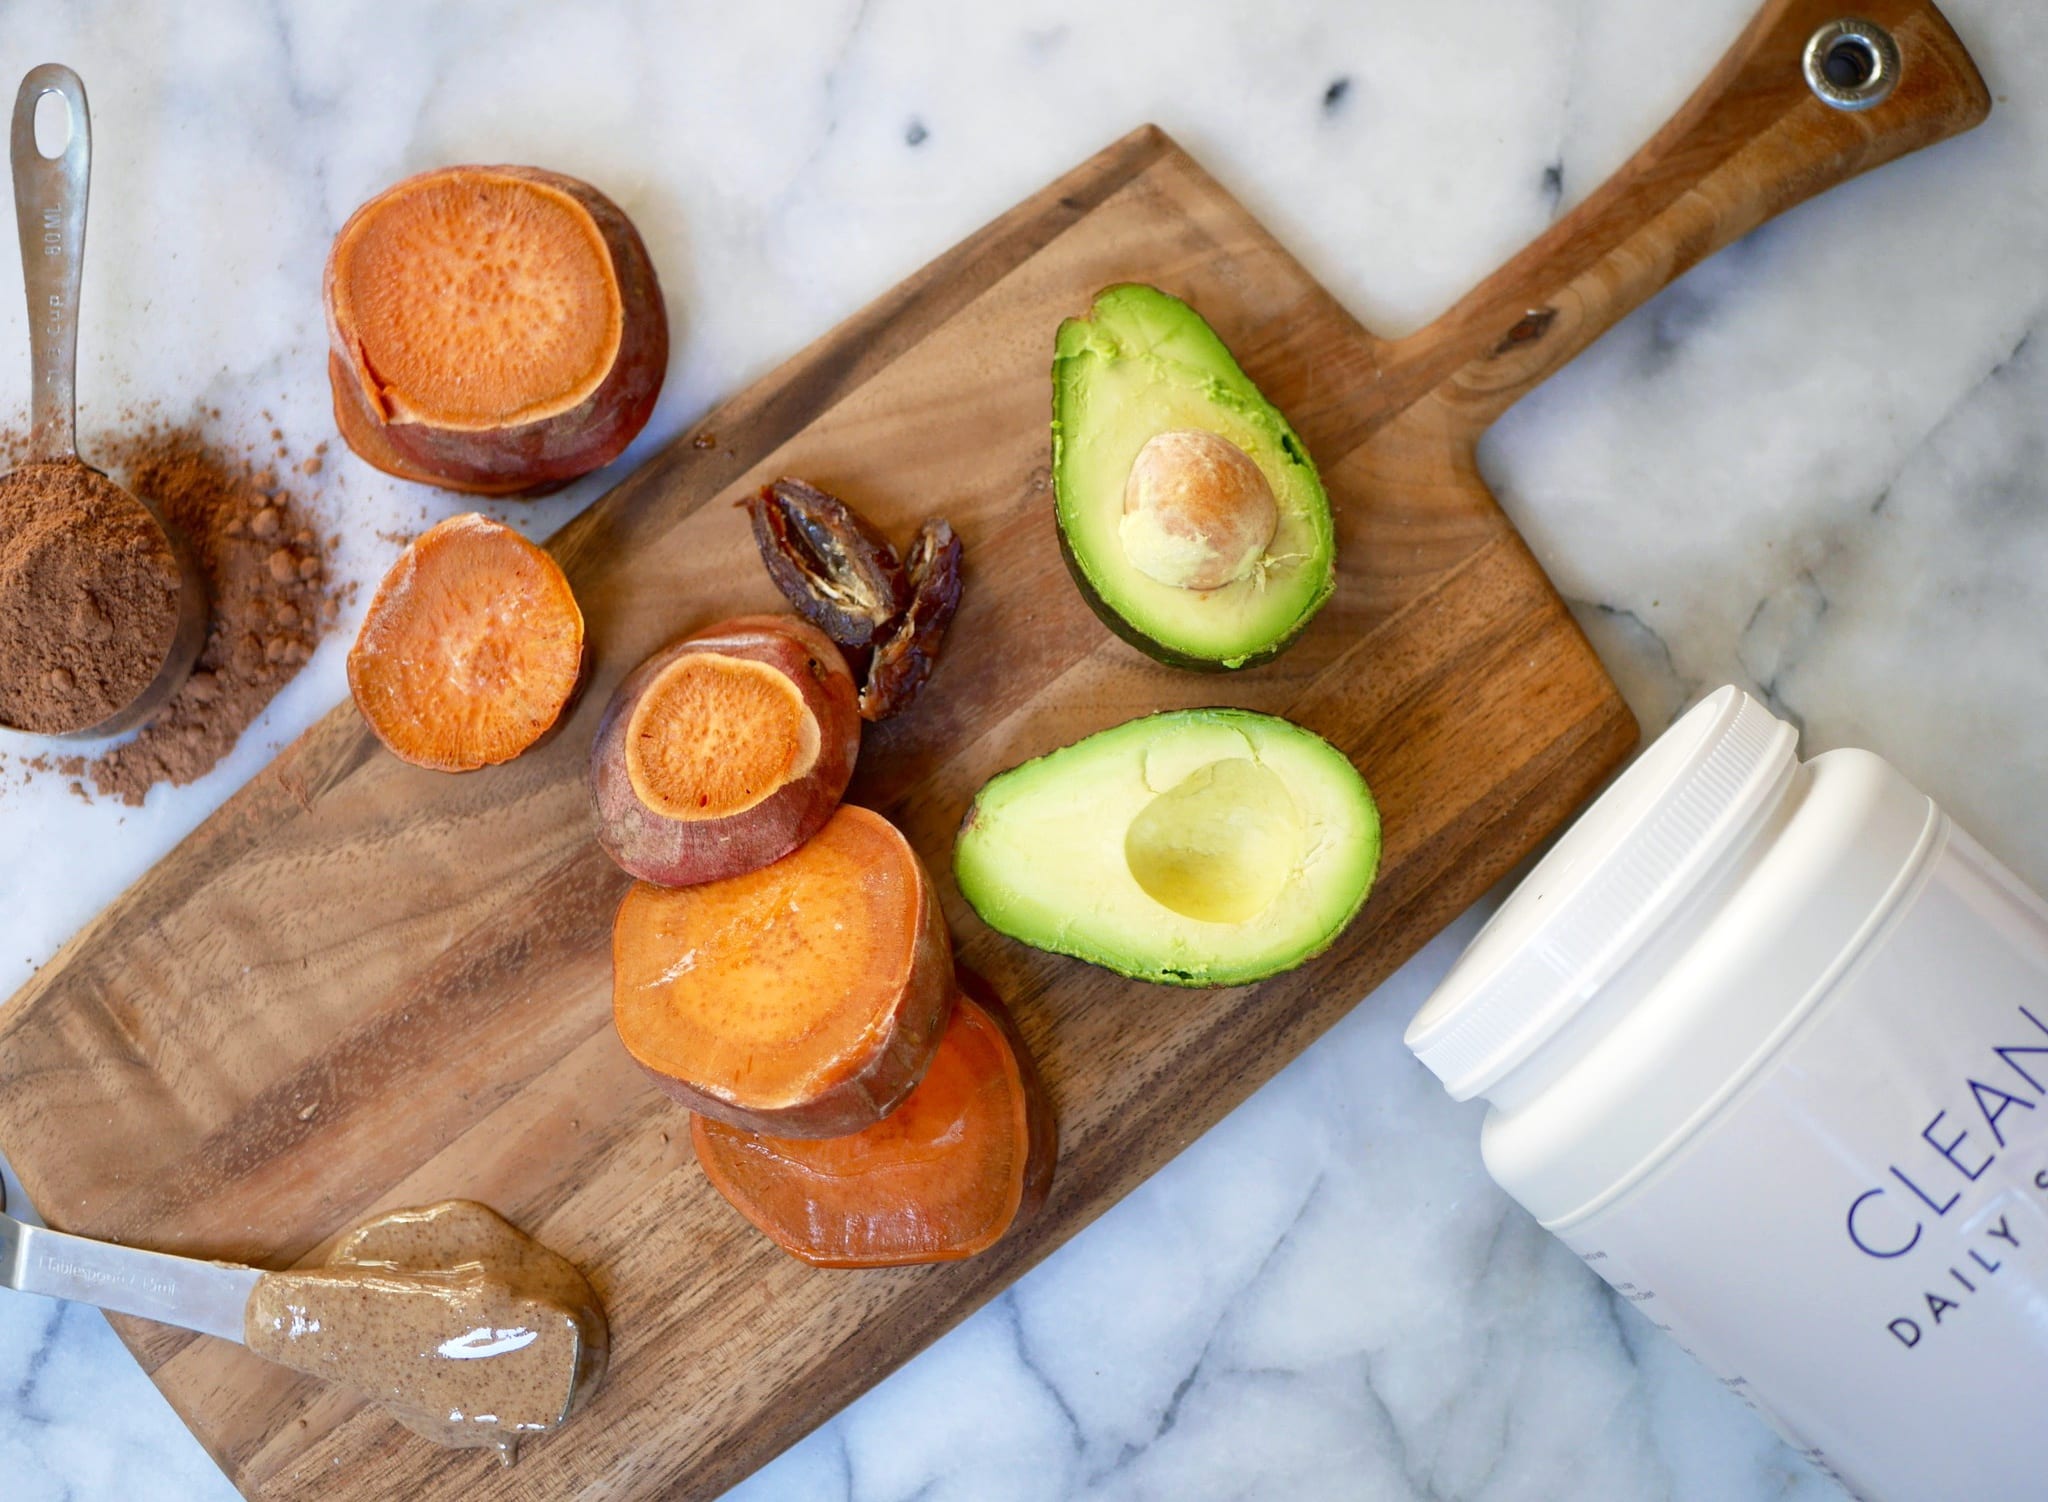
[(49, 207)]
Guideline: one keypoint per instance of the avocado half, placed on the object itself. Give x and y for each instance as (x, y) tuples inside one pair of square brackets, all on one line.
[(1142, 363), (1199, 847)]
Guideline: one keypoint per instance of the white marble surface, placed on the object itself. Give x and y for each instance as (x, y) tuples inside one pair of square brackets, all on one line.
[(1814, 468)]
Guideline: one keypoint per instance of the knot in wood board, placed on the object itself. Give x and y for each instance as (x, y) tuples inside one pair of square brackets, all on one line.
[(1530, 327)]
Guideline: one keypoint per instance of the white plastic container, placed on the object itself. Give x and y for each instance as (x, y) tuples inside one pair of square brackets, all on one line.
[(1766, 1043)]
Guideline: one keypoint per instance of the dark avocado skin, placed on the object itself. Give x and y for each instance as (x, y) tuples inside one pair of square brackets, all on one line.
[(1157, 650)]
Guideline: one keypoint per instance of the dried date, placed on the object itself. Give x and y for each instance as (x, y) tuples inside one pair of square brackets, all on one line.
[(889, 614), (830, 563), (907, 653)]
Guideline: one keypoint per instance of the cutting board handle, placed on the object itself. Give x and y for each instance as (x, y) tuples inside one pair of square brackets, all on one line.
[(1754, 139)]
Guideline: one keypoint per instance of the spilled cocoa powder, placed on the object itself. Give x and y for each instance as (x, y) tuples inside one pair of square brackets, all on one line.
[(266, 572), (88, 598)]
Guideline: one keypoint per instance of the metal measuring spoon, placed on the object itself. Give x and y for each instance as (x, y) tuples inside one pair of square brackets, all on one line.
[(209, 1297), (49, 208)]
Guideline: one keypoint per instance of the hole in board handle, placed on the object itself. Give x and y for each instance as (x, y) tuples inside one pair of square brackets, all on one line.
[(1851, 64)]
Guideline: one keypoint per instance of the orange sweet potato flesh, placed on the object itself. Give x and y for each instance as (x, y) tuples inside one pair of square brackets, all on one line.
[(471, 650), (724, 751), (497, 330), (803, 998), (966, 1159)]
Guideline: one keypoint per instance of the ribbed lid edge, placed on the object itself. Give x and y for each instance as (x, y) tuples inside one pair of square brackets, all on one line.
[(1492, 1012)]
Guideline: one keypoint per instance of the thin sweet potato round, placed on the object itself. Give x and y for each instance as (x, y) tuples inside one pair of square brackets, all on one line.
[(497, 330), (724, 751), (471, 650), (802, 999), (966, 1159)]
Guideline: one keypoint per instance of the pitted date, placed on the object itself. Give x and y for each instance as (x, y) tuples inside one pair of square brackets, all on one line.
[(905, 656), (889, 614), (829, 562)]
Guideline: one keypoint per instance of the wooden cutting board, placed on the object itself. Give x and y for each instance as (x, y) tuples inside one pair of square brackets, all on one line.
[(360, 985)]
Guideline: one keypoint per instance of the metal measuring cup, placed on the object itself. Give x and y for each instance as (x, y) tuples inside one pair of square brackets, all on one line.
[(49, 208)]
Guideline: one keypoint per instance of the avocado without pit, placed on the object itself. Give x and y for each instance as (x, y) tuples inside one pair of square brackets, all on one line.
[(1189, 511), (1199, 847)]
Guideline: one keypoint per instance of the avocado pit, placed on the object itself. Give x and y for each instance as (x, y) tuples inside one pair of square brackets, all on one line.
[(1198, 511)]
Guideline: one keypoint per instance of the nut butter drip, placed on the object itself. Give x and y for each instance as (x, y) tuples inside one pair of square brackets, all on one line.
[(459, 1325)]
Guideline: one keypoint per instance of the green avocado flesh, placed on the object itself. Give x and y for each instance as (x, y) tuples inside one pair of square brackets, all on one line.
[(1200, 847), (1143, 363)]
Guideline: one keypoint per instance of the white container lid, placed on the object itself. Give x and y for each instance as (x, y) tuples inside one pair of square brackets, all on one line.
[(1604, 889)]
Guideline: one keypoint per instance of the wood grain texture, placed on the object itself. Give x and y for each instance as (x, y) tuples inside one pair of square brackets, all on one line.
[(361, 985)]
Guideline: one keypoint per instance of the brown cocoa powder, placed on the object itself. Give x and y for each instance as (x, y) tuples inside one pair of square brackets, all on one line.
[(266, 570), (88, 598)]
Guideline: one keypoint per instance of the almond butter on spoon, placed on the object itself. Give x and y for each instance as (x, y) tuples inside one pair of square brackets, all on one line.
[(456, 1323)]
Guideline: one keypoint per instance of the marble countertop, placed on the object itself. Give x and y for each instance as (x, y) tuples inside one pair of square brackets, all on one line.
[(1815, 468)]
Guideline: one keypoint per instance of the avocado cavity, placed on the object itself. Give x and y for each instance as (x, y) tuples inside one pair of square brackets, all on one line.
[(1220, 845)]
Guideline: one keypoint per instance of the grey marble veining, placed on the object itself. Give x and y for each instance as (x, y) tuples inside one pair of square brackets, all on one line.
[(1814, 468)]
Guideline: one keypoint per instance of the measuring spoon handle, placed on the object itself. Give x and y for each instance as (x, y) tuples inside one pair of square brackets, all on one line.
[(49, 208), (209, 1297)]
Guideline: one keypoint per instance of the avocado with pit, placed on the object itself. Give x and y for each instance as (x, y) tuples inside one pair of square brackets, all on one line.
[(1189, 511), (1199, 847)]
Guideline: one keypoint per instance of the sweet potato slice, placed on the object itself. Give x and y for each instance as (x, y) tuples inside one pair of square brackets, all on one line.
[(471, 650), (803, 998), (967, 1158), (496, 330), (724, 751)]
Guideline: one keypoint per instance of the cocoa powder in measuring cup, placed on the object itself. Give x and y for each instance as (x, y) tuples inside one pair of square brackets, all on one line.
[(88, 598), (266, 575)]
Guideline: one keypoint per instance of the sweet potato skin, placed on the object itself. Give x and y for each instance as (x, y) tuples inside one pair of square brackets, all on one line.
[(1042, 1121), (526, 459), (679, 853), (1041, 1151), (870, 1087)]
